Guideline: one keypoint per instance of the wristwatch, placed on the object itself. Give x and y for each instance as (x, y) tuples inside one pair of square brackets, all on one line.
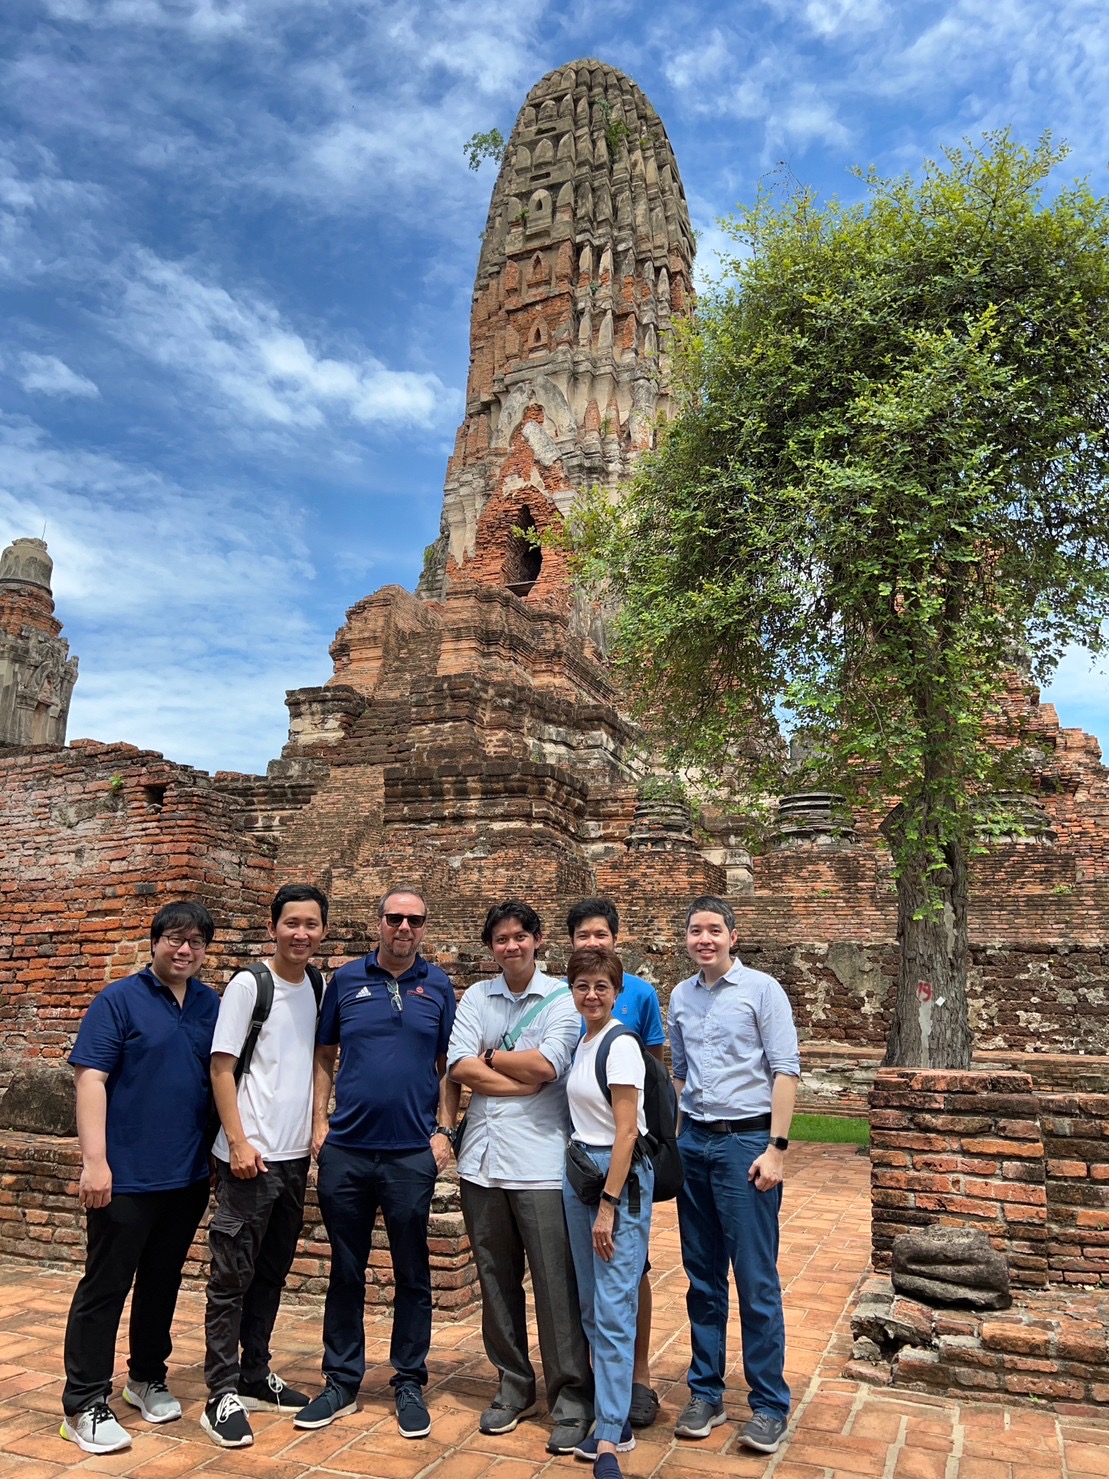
[(444, 1130), (606, 1196), (487, 1057), (779, 1142)]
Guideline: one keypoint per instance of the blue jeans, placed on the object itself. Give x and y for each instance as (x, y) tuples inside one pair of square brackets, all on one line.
[(351, 1186), (724, 1220), (609, 1292)]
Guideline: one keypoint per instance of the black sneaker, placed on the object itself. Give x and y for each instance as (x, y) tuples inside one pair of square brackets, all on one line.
[(270, 1394), (763, 1432), (413, 1418), (226, 1422), (331, 1403)]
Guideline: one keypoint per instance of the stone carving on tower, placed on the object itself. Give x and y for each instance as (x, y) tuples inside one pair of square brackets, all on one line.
[(36, 672), (586, 258)]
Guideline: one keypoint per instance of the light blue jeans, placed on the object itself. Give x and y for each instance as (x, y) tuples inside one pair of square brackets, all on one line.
[(609, 1292)]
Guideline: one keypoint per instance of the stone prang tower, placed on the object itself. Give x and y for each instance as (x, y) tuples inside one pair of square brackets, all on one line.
[(37, 673), (585, 259)]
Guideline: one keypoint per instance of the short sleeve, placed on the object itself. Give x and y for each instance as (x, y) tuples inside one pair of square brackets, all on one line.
[(466, 1030), (102, 1034), (625, 1062), (236, 1009), (327, 1029)]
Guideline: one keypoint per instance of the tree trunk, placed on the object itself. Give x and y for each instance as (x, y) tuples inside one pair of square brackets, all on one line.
[(931, 1027)]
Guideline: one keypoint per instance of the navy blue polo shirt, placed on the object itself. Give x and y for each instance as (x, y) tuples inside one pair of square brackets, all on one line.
[(156, 1055), (387, 1087)]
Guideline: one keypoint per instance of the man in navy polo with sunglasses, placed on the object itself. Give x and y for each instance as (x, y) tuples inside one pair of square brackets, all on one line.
[(387, 1019)]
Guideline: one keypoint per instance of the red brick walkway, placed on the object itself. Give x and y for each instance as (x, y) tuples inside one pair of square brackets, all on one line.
[(838, 1427)]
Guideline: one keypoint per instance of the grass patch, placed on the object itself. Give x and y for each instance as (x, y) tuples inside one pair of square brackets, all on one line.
[(830, 1129)]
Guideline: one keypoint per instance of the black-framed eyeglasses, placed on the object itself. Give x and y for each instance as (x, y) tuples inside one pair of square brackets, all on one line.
[(395, 996), (194, 942), (415, 921)]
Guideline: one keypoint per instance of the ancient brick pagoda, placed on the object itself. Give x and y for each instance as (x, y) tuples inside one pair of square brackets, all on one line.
[(470, 736)]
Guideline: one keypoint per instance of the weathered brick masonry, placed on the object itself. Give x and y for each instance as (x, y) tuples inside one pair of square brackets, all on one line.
[(1030, 1167)]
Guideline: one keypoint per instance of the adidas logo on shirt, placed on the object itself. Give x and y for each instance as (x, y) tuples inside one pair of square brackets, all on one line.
[(365, 991)]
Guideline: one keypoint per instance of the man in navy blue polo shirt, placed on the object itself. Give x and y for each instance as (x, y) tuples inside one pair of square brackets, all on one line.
[(141, 1059), (387, 1018)]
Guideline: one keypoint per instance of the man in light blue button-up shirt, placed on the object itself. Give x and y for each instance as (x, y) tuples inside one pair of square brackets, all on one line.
[(511, 1045), (736, 1063)]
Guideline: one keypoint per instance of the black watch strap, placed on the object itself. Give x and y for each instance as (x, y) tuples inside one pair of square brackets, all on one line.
[(606, 1196), (779, 1142), (444, 1130)]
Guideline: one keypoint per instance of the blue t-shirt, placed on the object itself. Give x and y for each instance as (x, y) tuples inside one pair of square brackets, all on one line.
[(387, 1086), (637, 1007), (156, 1055)]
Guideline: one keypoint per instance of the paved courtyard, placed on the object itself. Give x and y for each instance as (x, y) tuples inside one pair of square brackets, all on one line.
[(838, 1427)]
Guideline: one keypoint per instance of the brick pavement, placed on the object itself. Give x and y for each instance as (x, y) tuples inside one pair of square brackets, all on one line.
[(839, 1428)]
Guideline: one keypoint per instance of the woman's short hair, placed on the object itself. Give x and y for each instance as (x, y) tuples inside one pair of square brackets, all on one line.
[(596, 959)]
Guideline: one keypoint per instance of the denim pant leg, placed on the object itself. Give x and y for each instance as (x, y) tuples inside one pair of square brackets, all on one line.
[(347, 1188), (609, 1292), (705, 1259), (724, 1219)]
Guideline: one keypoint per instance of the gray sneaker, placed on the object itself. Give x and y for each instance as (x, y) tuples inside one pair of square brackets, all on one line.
[(698, 1418), (95, 1429), (763, 1432), (567, 1435), (153, 1399)]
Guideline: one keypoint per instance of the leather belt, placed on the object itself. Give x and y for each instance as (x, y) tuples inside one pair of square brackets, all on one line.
[(735, 1127)]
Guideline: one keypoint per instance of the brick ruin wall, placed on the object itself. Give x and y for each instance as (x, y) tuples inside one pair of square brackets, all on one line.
[(1028, 1164)]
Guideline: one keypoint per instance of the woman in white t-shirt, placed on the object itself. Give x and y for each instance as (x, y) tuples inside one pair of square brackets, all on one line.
[(608, 1240)]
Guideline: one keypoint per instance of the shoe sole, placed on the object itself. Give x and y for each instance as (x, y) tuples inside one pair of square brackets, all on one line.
[(148, 1416), (219, 1440), (563, 1451), (714, 1422), (71, 1436), (411, 1433), (322, 1422), (259, 1404), (589, 1458), (511, 1424)]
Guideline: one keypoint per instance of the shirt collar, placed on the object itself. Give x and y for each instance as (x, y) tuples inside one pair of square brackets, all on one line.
[(417, 970), (539, 985), (731, 975)]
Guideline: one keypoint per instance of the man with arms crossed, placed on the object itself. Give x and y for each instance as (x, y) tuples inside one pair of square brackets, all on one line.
[(261, 1155), (596, 922), (387, 1018), (512, 1045), (736, 1063), (141, 1060)]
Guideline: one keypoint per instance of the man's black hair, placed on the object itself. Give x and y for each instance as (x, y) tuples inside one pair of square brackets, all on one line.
[(298, 893), (593, 909), (182, 915), (711, 904), (524, 915)]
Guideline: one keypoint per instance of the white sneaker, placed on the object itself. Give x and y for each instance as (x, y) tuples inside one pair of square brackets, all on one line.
[(96, 1430), (153, 1399)]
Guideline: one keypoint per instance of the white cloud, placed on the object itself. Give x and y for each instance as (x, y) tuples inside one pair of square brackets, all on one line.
[(241, 355), (48, 375)]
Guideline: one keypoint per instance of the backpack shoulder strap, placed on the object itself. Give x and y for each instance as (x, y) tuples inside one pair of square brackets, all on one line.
[(600, 1063), (263, 1001), (315, 975), (510, 1039)]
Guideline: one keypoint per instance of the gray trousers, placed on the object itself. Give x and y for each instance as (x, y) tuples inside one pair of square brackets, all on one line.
[(504, 1228), (253, 1239)]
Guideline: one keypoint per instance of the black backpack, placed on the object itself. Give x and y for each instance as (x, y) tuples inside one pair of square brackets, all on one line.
[(660, 1110), (263, 1001)]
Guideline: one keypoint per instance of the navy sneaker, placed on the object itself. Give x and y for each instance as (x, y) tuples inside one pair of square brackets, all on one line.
[(413, 1418), (587, 1448), (332, 1402)]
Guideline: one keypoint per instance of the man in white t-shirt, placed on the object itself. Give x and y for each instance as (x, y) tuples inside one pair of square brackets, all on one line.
[(261, 1153)]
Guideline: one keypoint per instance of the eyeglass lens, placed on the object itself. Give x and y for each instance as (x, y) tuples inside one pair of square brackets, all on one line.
[(416, 921), (394, 994)]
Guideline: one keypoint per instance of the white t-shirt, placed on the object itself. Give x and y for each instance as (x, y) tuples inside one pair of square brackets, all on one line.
[(590, 1112), (275, 1097)]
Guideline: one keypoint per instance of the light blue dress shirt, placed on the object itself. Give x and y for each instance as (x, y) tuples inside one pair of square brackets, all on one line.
[(516, 1143), (728, 1040)]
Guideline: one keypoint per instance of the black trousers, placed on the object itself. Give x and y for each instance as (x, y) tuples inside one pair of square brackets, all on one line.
[(139, 1238), (253, 1240)]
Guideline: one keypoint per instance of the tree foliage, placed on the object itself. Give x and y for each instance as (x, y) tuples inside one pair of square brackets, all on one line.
[(482, 146), (887, 474)]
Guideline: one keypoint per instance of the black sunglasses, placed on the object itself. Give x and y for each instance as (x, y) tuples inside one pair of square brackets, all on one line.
[(416, 921)]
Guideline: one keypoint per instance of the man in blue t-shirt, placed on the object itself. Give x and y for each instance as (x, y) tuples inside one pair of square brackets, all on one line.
[(596, 922), (390, 1135), (141, 1061)]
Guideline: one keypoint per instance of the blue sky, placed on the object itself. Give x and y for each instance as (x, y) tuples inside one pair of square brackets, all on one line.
[(237, 243)]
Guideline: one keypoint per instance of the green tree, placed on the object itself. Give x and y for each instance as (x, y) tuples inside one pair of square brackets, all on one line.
[(482, 146), (886, 477)]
